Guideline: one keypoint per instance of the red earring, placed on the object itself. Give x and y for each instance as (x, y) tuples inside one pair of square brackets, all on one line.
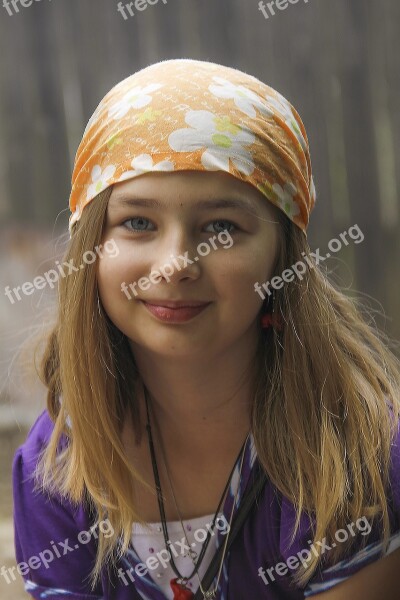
[(266, 320), (270, 319)]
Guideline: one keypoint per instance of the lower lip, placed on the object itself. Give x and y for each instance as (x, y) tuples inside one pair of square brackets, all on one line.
[(174, 315)]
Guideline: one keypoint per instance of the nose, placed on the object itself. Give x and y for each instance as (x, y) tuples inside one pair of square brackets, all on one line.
[(175, 257)]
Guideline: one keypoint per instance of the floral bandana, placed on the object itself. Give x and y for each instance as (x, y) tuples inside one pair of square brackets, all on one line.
[(185, 114)]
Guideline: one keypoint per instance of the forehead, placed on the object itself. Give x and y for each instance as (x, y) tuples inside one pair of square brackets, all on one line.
[(194, 188)]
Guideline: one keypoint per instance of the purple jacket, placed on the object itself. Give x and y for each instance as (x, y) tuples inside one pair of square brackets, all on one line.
[(55, 562)]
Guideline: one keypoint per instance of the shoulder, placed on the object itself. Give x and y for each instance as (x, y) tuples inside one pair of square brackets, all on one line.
[(394, 472), (51, 551), (25, 461), (366, 555), (276, 554), (38, 437)]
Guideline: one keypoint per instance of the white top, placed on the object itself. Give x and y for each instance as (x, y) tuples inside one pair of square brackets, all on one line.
[(149, 541)]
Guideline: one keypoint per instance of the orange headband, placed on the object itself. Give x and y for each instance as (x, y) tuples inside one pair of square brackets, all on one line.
[(185, 114)]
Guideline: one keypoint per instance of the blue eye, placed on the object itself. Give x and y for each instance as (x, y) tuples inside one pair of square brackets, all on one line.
[(224, 228), (135, 229), (144, 220)]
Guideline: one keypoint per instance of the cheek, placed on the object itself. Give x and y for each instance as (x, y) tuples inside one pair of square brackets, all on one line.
[(237, 274), (113, 270), (263, 260), (111, 273), (245, 268), (235, 281)]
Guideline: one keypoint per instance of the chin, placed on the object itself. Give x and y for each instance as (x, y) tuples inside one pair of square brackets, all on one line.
[(176, 342)]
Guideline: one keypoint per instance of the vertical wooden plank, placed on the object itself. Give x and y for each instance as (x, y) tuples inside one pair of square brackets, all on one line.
[(5, 165), (17, 91), (359, 139), (50, 157), (189, 28), (380, 48), (304, 75), (333, 125), (381, 120)]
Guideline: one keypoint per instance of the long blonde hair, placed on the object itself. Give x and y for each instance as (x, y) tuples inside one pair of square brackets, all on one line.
[(320, 421)]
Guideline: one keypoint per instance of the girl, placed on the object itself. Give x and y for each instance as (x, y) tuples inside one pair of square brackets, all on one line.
[(215, 427)]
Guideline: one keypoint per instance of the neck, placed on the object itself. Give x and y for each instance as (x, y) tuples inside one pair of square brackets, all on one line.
[(195, 413)]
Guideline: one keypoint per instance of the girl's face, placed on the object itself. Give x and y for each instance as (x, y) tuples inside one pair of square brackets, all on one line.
[(175, 244)]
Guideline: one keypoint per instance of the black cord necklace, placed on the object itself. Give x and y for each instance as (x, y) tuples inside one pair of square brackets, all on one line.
[(161, 502)]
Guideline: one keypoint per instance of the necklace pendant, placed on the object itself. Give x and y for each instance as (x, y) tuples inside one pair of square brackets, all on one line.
[(181, 592)]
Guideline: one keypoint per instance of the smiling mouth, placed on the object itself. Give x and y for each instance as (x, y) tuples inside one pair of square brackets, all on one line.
[(176, 303), (176, 314)]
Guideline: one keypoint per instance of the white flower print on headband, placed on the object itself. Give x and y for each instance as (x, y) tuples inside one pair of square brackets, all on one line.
[(282, 196), (244, 99), (222, 139), (143, 164), (284, 109), (134, 98), (99, 180)]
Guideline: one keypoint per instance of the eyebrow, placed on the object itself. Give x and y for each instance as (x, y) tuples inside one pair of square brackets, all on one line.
[(235, 203)]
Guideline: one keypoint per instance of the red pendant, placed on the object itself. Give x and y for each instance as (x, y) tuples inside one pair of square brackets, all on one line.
[(181, 592)]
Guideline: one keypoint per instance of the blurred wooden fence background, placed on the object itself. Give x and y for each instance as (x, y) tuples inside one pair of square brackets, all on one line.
[(338, 62)]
